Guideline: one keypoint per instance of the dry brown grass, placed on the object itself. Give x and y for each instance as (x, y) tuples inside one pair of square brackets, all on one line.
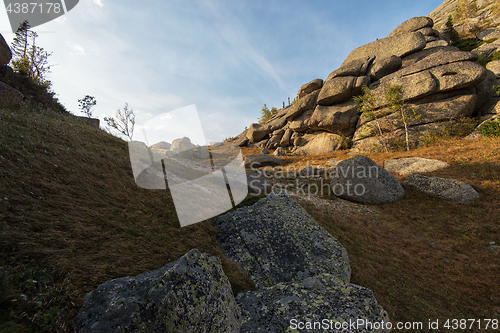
[(425, 258), (71, 217)]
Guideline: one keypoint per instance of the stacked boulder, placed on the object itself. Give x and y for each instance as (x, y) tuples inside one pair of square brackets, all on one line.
[(439, 82), (8, 95)]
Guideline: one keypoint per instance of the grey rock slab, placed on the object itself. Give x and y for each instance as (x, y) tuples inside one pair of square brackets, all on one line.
[(384, 66), (411, 25), (319, 143), (307, 102), (277, 241), (444, 188), (359, 179), (261, 160), (356, 67), (191, 294), (411, 165), (280, 307), (256, 132), (310, 87), (339, 119), (401, 46), (337, 90)]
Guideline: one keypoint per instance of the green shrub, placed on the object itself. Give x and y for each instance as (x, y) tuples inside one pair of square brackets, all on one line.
[(467, 44), (490, 128)]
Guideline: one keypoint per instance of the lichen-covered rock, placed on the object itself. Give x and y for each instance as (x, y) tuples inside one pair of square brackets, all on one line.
[(321, 298), (411, 25), (384, 66), (277, 241), (447, 189), (432, 112), (341, 89), (356, 67), (338, 119), (410, 165), (308, 102), (191, 294), (401, 46), (319, 143), (310, 87), (301, 123), (359, 179)]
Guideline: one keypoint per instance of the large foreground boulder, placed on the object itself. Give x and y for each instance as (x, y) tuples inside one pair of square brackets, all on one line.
[(191, 294), (359, 179), (277, 241), (447, 189), (321, 299), (301, 272)]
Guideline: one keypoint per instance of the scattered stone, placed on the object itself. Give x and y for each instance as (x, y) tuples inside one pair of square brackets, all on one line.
[(280, 151), (264, 151), (300, 270), (258, 183), (261, 160), (447, 189), (191, 294), (359, 179), (410, 165)]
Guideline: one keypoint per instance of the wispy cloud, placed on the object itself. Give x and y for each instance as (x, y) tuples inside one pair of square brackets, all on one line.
[(97, 3), (78, 50)]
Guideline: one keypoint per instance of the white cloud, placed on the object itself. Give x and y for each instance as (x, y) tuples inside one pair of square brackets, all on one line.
[(78, 50), (97, 3)]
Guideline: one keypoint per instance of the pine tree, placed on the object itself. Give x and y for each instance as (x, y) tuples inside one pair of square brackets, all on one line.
[(28, 58), (450, 31), (265, 114)]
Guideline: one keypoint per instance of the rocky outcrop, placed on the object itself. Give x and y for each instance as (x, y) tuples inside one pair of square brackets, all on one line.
[(447, 189), (440, 84), (359, 179), (8, 95), (182, 144), (299, 269), (191, 294), (411, 165), (5, 53)]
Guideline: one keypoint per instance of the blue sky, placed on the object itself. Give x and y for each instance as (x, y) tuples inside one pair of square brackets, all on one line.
[(226, 57)]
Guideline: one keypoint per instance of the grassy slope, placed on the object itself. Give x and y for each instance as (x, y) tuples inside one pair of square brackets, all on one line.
[(71, 217)]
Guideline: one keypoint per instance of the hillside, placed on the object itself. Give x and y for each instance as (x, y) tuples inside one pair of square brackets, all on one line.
[(72, 218)]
